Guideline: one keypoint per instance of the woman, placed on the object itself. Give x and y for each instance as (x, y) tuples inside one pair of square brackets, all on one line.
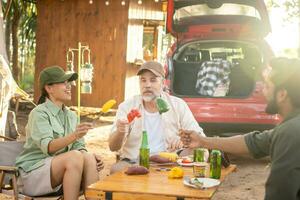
[(54, 154)]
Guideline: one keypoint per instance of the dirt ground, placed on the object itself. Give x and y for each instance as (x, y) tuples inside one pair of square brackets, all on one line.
[(247, 183)]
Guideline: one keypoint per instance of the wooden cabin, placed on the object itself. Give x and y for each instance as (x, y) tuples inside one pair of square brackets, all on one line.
[(109, 28)]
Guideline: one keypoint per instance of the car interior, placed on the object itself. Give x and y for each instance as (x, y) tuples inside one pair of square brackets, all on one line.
[(245, 66)]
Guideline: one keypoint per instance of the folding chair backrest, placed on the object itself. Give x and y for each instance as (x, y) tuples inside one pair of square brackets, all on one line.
[(9, 151)]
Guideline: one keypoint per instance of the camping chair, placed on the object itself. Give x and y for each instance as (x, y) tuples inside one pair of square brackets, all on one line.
[(9, 172)]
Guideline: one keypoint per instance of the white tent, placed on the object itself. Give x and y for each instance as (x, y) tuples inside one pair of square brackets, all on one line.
[(7, 83)]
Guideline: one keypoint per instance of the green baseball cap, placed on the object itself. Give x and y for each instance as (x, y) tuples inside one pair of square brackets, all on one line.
[(55, 74)]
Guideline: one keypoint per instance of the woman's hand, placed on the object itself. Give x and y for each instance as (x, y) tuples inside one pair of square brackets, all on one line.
[(100, 163), (82, 129)]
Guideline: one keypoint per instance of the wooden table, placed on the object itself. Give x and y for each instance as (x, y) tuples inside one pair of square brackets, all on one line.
[(155, 185)]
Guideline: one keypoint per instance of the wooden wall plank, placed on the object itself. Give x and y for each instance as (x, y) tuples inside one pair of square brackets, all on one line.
[(62, 24)]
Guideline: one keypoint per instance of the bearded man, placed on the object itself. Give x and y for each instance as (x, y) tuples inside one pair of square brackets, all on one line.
[(162, 129), (282, 143)]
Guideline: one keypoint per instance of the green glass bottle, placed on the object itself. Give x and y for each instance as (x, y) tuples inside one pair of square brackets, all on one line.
[(145, 151), (215, 164), (199, 155)]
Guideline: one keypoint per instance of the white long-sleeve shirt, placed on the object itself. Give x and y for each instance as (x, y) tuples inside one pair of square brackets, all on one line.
[(178, 117)]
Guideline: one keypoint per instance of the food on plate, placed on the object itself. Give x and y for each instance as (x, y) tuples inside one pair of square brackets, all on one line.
[(159, 159), (186, 160), (171, 156), (136, 170), (196, 182)]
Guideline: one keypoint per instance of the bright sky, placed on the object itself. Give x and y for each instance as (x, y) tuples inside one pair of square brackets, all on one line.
[(284, 34)]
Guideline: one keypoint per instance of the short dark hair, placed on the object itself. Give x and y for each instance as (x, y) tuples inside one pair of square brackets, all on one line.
[(286, 75)]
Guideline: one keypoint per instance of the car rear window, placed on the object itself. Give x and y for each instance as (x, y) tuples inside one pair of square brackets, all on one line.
[(217, 69), (199, 52), (225, 9)]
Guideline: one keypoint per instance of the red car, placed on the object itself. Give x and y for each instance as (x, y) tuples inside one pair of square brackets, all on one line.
[(217, 62)]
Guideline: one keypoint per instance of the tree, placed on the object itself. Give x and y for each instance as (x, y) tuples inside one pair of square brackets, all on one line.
[(292, 8), (20, 26)]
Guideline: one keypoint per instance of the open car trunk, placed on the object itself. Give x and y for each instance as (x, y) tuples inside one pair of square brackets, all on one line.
[(216, 69), (205, 18)]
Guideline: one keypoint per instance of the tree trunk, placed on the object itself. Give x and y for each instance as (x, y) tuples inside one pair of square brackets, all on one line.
[(298, 29), (7, 38), (15, 45)]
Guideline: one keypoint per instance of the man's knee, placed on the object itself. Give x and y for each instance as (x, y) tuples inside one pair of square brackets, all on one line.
[(119, 166)]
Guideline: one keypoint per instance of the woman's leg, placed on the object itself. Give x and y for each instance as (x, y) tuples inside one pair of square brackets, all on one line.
[(90, 173), (67, 169)]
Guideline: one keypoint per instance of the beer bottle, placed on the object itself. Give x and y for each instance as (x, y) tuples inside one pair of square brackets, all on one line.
[(199, 155), (144, 151), (215, 164)]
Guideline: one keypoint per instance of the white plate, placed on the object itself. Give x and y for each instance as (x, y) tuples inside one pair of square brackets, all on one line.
[(207, 182), (179, 161)]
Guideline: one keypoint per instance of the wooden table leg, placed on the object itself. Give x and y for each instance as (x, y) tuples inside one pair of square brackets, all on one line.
[(108, 195), (179, 198)]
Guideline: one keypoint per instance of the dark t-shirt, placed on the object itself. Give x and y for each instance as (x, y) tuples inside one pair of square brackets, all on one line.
[(283, 145)]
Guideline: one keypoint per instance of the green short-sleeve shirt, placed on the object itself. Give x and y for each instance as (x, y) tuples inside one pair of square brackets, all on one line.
[(45, 123), (282, 144)]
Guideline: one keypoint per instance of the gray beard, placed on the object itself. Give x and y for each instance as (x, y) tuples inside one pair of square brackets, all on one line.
[(152, 97), (149, 98)]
